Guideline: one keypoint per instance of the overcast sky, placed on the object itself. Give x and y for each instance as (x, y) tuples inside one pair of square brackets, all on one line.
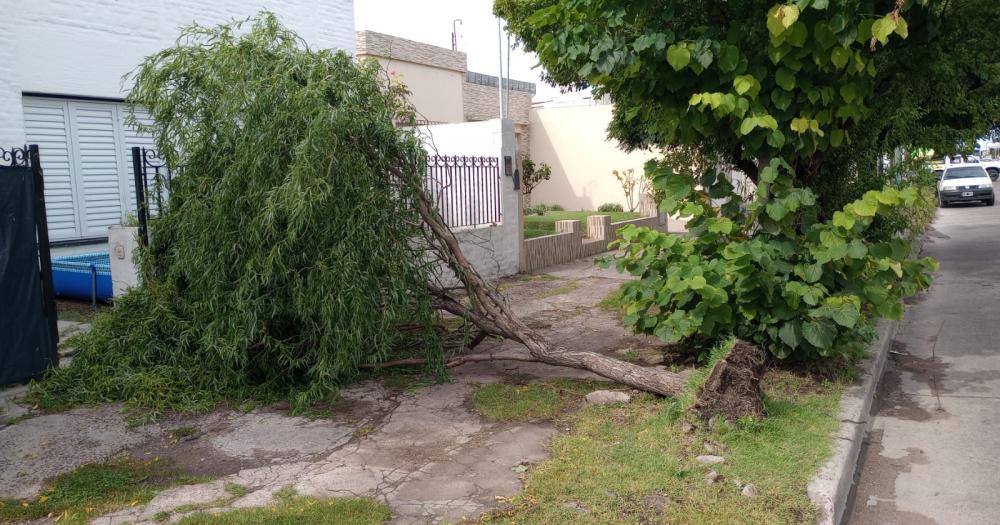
[(430, 21)]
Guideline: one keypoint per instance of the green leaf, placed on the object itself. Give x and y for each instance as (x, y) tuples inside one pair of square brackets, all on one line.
[(769, 174), (800, 125), (785, 78), (882, 28), (776, 139), (790, 334), (678, 57), (744, 83), (820, 4), (697, 282), (846, 315), (840, 56), (748, 125), (865, 208), (843, 220), (836, 138), (813, 272), (902, 28), (776, 210), (849, 91), (819, 333), (729, 58), (798, 35), (857, 249)]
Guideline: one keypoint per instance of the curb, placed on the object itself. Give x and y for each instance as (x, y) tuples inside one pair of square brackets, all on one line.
[(830, 489)]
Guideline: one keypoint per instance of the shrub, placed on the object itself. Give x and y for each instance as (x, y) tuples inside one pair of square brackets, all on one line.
[(556, 207), (536, 210), (766, 270), (609, 207)]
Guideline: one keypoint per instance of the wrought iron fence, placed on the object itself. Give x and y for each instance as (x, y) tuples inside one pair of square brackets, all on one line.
[(467, 190), (152, 179)]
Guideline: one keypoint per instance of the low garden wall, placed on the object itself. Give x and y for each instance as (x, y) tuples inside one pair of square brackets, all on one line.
[(568, 243)]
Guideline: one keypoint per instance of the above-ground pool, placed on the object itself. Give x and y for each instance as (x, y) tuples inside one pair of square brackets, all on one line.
[(83, 276)]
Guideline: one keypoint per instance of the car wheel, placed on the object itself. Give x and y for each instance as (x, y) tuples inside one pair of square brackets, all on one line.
[(942, 203), (990, 201)]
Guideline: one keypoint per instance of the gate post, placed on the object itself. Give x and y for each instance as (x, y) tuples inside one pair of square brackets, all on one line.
[(138, 171), (44, 253)]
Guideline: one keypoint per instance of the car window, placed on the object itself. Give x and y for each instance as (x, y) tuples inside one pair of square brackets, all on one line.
[(963, 172)]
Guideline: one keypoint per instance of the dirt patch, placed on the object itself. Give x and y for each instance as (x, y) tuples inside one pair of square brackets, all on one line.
[(874, 498)]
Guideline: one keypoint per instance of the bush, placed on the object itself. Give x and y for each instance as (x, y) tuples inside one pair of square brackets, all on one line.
[(556, 207), (766, 271), (609, 207), (272, 271), (536, 210)]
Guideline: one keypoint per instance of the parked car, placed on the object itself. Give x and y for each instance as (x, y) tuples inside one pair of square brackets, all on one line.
[(965, 183), (992, 167)]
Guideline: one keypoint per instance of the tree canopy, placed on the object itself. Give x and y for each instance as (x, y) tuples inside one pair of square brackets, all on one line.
[(755, 79)]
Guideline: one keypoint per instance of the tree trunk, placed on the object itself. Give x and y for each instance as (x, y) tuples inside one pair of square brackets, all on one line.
[(732, 389), (489, 311)]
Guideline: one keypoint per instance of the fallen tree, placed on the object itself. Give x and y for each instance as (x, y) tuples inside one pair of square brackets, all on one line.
[(299, 245)]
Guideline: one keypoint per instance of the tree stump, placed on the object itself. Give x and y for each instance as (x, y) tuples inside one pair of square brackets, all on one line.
[(732, 389)]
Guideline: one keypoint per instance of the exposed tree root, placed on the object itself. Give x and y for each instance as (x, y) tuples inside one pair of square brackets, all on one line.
[(732, 389)]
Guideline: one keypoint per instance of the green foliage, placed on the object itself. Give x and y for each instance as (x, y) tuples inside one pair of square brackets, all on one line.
[(758, 79), (91, 490), (541, 209), (285, 257), (766, 271), (532, 175), (609, 207)]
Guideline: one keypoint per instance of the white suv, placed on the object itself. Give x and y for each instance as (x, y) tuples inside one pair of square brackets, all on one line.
[(965, 183)]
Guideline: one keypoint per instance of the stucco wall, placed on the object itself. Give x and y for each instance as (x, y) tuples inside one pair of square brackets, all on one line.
[(435, 93), (83, 47), (573, 141), (494, 251)]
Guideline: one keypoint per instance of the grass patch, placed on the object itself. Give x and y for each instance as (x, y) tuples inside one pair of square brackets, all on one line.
[(539, 225), (619, 463), (614, 302), (17, 419), (92, 490), (296, 510), (78, 311), (541, 400), (559, 290)]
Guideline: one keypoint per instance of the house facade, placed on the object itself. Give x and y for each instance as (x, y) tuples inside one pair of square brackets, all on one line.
[(61, 69), (442, 89)]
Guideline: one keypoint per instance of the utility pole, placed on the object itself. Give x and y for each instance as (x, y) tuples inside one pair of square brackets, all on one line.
[(454, 33)]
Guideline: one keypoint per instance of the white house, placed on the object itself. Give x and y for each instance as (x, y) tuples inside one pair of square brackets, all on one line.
[(61, 68)]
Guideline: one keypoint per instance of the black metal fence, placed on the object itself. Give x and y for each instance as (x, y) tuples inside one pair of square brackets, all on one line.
[(28, 329), (467, 190), (152, 179)]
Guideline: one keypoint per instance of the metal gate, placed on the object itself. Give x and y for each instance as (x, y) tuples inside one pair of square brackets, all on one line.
[(28, 333), (152, 186)]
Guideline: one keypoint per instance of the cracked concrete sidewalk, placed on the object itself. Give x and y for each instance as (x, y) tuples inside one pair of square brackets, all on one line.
[(424, 452)]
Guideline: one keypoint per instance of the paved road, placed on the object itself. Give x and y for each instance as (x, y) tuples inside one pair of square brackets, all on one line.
[(933, 455)]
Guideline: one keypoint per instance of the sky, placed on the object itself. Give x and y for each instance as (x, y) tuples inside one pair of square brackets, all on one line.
[(430, 21)]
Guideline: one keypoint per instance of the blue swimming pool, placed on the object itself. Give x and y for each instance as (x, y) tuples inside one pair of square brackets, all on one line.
[(74, 276)]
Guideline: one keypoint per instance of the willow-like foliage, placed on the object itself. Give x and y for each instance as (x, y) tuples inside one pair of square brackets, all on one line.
[(285, 258)]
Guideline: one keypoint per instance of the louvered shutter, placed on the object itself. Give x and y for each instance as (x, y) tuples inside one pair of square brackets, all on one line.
[(46, 123)]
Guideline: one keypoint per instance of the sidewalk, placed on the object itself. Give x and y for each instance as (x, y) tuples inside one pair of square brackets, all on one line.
[(932, 455)]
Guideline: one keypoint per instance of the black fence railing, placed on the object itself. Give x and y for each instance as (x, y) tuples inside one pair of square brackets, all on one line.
[(152, 179), (467, 190)]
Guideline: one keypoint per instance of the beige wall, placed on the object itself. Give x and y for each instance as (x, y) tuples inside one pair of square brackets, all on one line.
[(573, 140), (435, 93)]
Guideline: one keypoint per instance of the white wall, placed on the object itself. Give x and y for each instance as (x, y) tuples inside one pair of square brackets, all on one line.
[(573, 141), (495, 250), (83, 47)]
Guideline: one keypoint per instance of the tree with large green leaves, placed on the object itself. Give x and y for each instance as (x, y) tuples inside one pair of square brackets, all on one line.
[(755, 79), (775, 89)]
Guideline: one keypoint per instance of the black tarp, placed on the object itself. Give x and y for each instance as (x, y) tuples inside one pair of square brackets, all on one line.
[(26, 345)]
